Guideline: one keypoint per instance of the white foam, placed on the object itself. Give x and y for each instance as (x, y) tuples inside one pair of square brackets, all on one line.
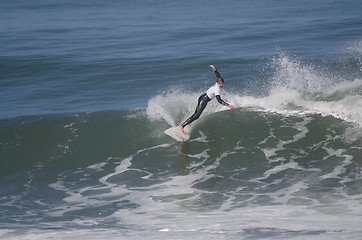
[(281, 167), (271, 153), (171, 107), (202, 138), (341, 168), (302, 89), (77, 200), (356, 47), (97, 166)]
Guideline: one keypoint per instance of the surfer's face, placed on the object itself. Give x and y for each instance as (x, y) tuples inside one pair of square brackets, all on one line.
[(220, 84)]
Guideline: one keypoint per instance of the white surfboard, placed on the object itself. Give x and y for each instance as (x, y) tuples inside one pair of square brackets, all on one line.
[(177, 135)]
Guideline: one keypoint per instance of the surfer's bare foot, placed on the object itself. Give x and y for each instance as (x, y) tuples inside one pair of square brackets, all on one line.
[(181, 129)]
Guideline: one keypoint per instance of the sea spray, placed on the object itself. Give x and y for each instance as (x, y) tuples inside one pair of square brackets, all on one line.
[(299, 88), (175, 106)]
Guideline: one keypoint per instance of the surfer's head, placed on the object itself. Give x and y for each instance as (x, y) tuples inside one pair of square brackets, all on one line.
[(220, 82)]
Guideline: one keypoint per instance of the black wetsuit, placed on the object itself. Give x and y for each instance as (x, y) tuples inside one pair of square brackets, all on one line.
[(202, 102)]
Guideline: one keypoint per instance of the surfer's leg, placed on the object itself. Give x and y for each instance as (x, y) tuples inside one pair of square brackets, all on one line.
[(202, 102), (199, 103)]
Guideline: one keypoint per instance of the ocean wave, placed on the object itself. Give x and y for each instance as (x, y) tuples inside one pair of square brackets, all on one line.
[(295, 89)]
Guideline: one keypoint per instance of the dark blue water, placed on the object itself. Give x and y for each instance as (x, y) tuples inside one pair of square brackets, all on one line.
[(63, 56), (88, 88)]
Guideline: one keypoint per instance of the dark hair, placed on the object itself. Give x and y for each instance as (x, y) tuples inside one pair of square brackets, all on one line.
[(220, 79)]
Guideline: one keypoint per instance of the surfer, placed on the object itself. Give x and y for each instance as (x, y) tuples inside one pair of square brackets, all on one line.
[(211, 93)]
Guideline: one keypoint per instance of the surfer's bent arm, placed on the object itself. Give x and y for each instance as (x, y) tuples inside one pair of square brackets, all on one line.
[(222, 102)]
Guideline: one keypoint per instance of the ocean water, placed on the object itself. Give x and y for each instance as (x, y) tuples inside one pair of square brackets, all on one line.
[(88, 88)]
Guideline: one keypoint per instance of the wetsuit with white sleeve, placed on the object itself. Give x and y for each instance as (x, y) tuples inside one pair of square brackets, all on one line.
[(210, 94)]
